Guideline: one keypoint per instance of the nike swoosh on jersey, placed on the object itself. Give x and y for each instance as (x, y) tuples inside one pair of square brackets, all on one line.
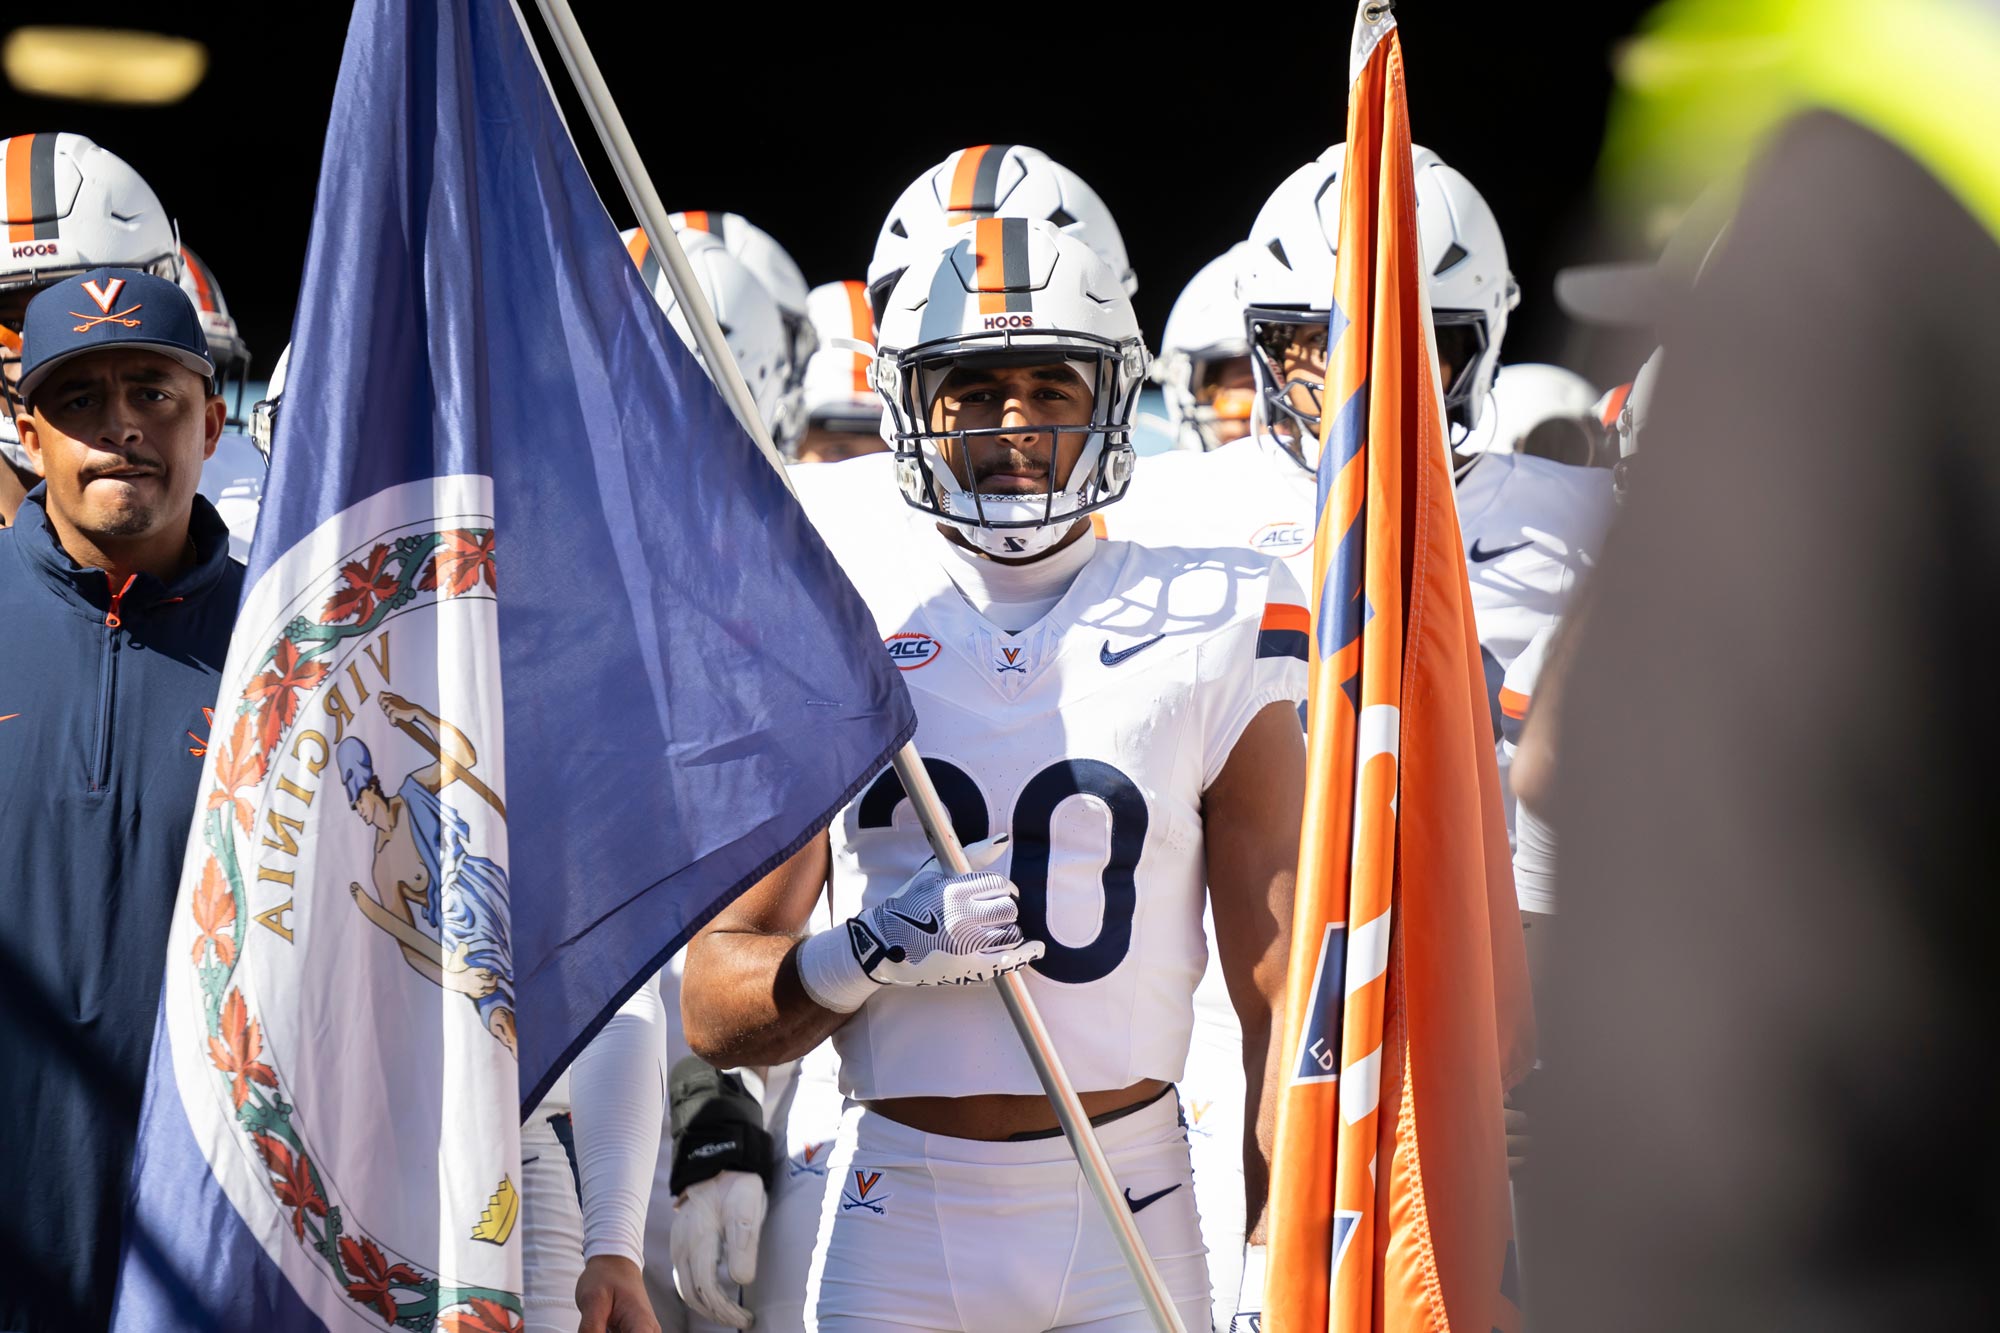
[(930, 925), (1140, 1204), (1109, 658), (1480, 557)]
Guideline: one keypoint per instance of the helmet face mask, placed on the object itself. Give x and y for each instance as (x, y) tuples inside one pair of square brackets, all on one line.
[(1099, 450), (1273, 332), (1009, 295)]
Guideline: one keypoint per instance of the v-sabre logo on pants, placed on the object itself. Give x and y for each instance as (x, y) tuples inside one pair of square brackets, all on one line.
[(860, 1192)]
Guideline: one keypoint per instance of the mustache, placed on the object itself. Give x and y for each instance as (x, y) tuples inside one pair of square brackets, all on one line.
[(135, 467)]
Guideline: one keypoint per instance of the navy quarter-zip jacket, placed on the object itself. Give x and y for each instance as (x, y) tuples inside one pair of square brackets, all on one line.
[(102, 692)]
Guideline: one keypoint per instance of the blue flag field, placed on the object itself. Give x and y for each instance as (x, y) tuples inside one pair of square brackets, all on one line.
[(539, 663)]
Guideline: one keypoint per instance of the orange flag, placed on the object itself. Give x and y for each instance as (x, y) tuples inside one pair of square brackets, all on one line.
[(1389, 1198)]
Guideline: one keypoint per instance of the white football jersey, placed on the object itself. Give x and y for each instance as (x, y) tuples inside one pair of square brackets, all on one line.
[(233, 481), (1089, 738), (1532, 529)]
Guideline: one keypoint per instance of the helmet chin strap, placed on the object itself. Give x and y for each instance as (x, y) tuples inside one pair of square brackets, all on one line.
[(1006, 543)]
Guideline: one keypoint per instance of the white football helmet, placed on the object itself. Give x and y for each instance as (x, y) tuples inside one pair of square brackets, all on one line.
[(1632, 423), (995, 180), (769, 262), (749, 317), (264, 413), (225, 341), (1539, 409), (838, 395), (1290, 281), (1204, 327), (70, 207), (1020, 290)]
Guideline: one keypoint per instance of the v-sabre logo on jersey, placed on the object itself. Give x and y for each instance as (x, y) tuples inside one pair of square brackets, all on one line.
[(808, 1162), (1010, 660), (860, 1193), (910, 651)]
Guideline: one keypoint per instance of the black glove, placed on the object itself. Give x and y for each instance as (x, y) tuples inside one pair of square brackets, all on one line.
[(717, 1126)]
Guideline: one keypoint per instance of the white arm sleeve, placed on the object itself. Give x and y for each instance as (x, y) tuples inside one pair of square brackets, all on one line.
[(618, 1095), (1534, 862)]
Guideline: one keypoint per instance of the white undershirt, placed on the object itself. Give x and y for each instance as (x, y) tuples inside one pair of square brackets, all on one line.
[(1013, 597)]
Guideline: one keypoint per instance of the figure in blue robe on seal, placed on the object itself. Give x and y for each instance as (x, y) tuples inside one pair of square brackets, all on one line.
[(445, 905)]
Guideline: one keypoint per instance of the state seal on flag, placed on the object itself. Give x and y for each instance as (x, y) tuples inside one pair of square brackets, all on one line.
[(350, 916)]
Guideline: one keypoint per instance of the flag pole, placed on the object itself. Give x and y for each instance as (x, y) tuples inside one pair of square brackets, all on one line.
[(708, 337)]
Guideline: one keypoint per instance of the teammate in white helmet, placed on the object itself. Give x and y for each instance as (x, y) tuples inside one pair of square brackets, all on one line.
[(1542, 410), (843, 415), (70, 206), (772, 265), (1531, 527), (995, 180), (750, 319), (1111, 728), (233, 476), (1203, 369)]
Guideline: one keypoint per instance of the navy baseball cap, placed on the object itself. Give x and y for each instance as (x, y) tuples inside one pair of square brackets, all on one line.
[(109, 308)]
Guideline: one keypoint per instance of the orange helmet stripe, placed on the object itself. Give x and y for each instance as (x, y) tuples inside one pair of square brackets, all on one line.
[(964, 180), (862, 320), (1614, 403), (31, 187), (990, 271), (696, 220), (638, 247), (204, 293)]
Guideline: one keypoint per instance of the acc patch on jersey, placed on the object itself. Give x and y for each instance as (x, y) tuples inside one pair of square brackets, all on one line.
[(910, 651), (1281, 539)]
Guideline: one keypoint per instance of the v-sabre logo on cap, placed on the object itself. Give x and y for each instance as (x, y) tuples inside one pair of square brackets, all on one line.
[(104, 296)]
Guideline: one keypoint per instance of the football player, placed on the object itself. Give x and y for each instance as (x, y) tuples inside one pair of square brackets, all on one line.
[(233, 476), (751, 321), (1532, 527), (1112, 727), (773, 266), (70, 207), (843, 415), (1203, 369), (1545, 410)]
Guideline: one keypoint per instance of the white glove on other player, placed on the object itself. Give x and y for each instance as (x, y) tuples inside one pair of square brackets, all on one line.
[(936, 930), (714, 1244)]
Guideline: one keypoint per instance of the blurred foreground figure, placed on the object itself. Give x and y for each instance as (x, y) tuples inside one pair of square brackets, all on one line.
[(1771, 1103)]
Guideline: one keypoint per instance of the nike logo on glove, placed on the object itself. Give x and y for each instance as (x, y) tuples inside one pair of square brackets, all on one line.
[(930, 925), (1109, 658), (1480, 557), (1136, 1205)]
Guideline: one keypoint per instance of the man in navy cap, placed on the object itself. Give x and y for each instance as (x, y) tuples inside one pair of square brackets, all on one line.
[(117, 597)]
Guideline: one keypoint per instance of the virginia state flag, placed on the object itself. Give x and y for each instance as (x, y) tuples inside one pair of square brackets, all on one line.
[(1389, 1199), (538, 665)]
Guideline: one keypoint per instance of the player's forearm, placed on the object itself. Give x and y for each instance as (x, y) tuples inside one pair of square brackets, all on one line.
[(742, 1002)]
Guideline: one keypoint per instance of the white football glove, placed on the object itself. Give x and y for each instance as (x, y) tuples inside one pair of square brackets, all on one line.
[(714, 1244), (936, 930)]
